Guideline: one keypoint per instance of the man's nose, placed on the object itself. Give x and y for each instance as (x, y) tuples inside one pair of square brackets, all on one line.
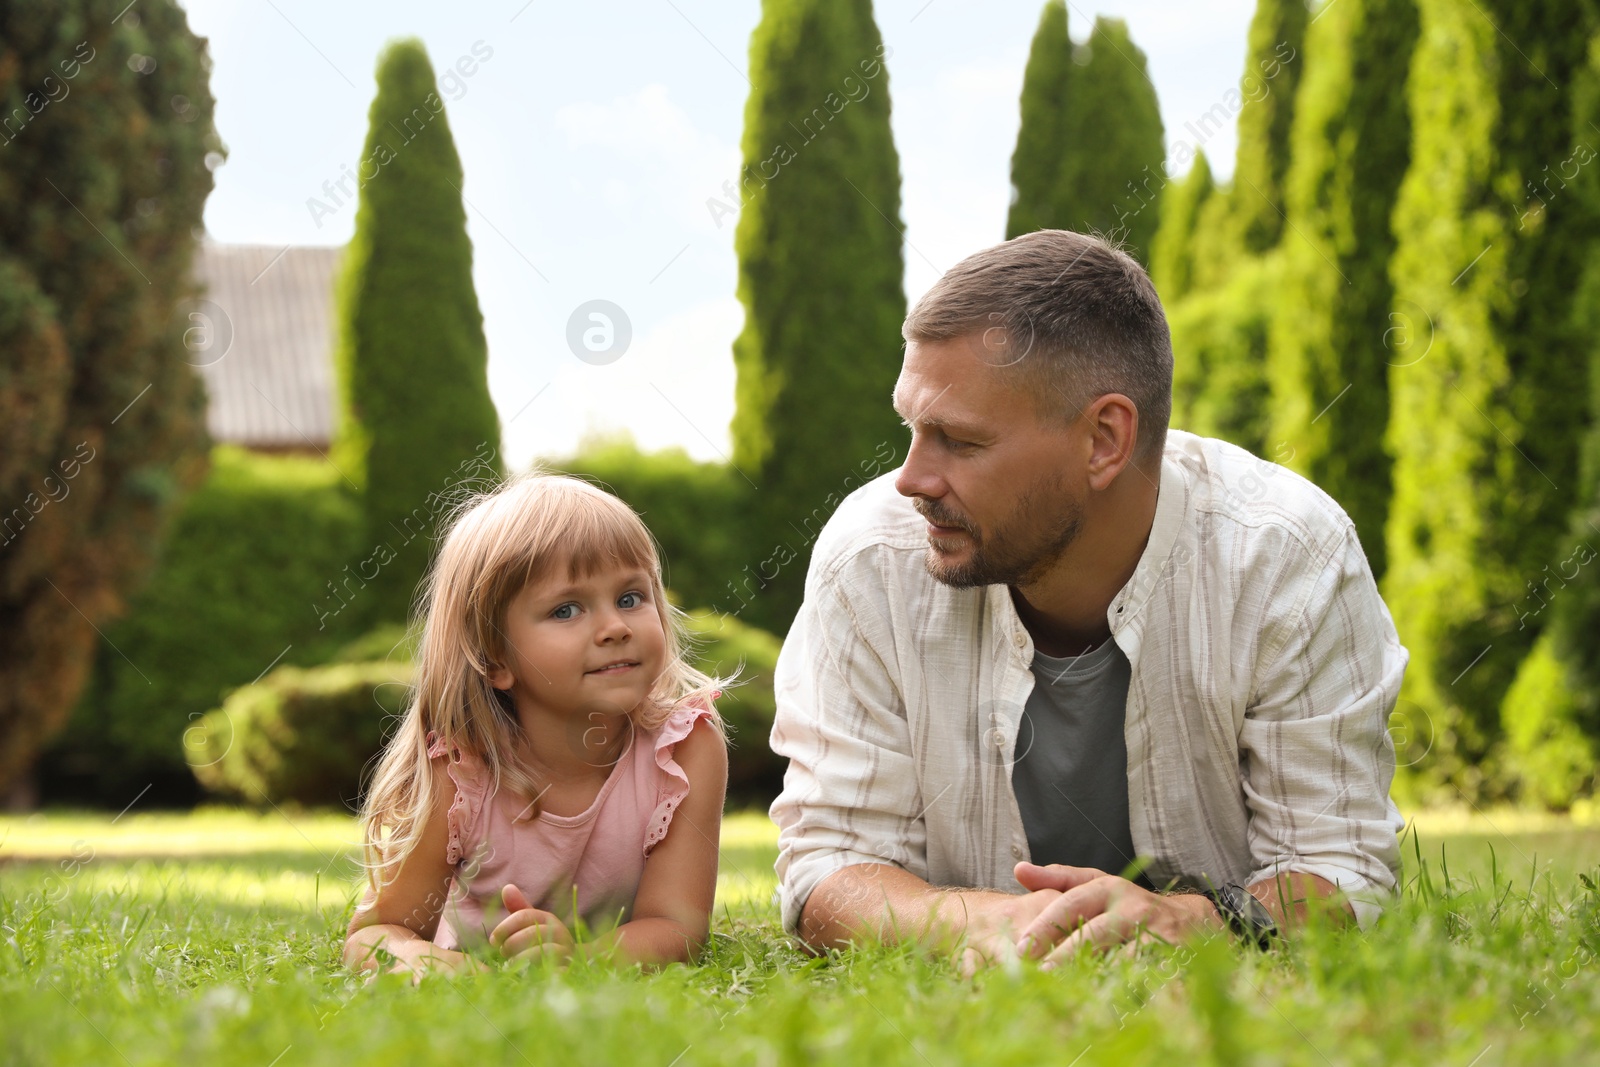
[(919, 475)]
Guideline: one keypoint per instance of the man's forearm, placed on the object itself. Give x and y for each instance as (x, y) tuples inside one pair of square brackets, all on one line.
[(886, 904), (1291, 896)]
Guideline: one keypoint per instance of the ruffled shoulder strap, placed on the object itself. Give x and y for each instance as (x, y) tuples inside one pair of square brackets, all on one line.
[(466, 810), (674, 782)]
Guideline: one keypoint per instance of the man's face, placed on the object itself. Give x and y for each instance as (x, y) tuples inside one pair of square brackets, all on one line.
[(994, 481)]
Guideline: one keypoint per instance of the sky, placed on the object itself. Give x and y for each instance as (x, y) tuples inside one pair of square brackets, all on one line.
[(592, 137)]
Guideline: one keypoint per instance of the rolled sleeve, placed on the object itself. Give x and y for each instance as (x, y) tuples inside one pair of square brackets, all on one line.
[(850, 794), (1318, 758)]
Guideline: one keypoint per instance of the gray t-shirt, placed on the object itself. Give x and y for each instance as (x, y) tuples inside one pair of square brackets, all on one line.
[(1071, 761)]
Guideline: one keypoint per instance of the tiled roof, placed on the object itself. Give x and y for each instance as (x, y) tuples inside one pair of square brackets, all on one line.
[(271, 385)]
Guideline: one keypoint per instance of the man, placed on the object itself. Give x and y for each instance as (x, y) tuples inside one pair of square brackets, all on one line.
[(1065, 679)]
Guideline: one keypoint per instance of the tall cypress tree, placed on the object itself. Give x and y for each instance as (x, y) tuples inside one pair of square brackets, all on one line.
[(1112, 175), (1486, 418), (1042, 137), (106, 150), (1172, 253), (416, 418), (1332, 339), (1551, 714), (1274, 59), (1089, 151), (1220, 332), (820, 276)]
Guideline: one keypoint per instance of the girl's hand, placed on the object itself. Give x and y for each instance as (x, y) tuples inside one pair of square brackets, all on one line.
[(437, 961), (528, 932)]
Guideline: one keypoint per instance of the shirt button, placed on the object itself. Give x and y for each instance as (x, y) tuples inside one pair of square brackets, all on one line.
[(1020, 639), (1016, 852)]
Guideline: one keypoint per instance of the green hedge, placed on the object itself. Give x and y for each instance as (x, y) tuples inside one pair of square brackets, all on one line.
[(305, 736), (242, 578), (300, 735), (1219, 350)]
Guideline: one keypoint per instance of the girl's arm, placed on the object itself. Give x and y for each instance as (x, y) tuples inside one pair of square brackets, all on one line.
[(406, 914), (672, 912)]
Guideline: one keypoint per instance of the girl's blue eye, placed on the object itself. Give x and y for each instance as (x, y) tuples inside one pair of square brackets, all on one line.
[(557, 613), (639, 599)]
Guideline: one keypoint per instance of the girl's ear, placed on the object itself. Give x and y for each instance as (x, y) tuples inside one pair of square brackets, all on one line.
[(499, 676)]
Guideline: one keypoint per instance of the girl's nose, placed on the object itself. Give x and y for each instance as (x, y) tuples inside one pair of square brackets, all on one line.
[(614, 628)]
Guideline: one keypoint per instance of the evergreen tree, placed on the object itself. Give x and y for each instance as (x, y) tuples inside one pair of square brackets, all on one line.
[(1219, 343), (1042, 137), (416, 420), (1089, 151), (1487, 410), (1172, 253), (820, 271), (1113, 169), (1328, 357), (1274, 59), (106, 145), (1551, 715)]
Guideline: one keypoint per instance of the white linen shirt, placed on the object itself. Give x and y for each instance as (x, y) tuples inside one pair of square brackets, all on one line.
[(1264, 670)]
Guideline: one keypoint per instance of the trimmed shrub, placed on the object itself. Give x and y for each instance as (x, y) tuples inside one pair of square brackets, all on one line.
[(102, 420), (821, 265), (415, 419), (1113, 170), (1172, 253), (755, 774), (1219, 347), (300, 736), (1042, 135), (1274, 60), (1549, 750), (245, 576), (1332, 338), (1487, 415), (306, 736)]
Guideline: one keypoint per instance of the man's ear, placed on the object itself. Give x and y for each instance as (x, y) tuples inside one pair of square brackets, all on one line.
[(1113, 421)]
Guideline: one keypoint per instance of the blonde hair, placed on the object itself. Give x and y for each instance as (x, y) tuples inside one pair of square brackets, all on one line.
[(498, 542)]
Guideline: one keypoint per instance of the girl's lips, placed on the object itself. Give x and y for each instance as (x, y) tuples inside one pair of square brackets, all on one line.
[(617, 669)]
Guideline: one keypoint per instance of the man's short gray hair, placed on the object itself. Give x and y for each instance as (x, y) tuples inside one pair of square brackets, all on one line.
[(1072, 316)]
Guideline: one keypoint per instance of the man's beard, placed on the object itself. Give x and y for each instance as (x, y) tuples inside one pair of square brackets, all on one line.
[(1021, 549)]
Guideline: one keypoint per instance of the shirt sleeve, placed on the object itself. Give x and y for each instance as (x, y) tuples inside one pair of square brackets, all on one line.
[(850, 794), (1317, 756)]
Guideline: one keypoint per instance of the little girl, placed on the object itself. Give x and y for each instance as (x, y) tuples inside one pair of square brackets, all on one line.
[(560, 759)]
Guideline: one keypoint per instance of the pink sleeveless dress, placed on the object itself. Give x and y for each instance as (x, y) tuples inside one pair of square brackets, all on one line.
[(587, 864)]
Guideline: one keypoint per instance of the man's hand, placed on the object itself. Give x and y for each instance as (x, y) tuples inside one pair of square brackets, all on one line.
[(529, 932), (1098, 911), (993, 925)]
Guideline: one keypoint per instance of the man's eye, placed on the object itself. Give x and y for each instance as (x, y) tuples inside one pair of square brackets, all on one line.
[(638, 599)]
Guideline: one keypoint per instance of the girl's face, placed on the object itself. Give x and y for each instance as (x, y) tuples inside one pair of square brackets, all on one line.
[(583, 645)]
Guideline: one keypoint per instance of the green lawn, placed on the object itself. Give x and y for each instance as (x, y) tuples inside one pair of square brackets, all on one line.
[(215, 937)]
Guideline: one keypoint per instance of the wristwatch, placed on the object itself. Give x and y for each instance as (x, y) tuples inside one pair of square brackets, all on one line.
[(1244, 914)]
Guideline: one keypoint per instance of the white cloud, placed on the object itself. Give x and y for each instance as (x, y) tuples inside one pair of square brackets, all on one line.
[(673, 387)]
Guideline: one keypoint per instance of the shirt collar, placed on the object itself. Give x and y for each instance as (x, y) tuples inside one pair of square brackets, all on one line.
[(1172, 504)]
